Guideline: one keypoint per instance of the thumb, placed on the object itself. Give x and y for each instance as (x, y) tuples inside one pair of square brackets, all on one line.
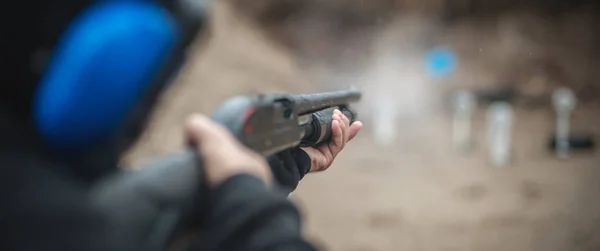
[(203, 131)]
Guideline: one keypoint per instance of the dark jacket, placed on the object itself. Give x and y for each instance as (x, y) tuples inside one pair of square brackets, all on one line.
[(43, 207)]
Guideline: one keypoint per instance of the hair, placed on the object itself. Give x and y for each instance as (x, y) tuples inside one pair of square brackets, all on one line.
[(30, 30)]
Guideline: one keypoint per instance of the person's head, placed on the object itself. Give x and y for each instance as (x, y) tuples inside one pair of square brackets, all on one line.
[(80, 77)]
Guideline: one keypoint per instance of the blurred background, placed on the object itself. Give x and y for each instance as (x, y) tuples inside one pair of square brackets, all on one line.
[(403, 184)]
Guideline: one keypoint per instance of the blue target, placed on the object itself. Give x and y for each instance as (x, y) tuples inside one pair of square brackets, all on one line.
[(440, 62)]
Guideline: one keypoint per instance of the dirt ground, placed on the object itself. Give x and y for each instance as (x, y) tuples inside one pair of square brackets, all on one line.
[(415, 194)]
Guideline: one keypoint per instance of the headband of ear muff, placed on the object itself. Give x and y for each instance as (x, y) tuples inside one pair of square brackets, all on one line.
[(100, 69)]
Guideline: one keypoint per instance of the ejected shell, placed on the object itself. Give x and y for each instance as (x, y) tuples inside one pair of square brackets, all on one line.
[(564, 100), (499, 129), (464, 103)]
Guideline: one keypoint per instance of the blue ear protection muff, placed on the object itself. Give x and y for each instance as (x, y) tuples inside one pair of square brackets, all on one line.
[(99, 70)]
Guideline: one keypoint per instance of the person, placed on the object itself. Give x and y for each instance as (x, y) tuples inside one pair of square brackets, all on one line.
[(47, 167)]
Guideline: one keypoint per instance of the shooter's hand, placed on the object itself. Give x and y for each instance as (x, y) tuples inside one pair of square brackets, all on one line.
[(341, 132), (222, 155)]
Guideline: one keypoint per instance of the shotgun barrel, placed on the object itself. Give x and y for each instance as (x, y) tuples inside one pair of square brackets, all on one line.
[(310, 103)]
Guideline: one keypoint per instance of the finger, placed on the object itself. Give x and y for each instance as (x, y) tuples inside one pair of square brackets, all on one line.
[(346, 130), (335, 116), (344, 124), (344, 119), (354, 129), (337, 111), (337, 136)]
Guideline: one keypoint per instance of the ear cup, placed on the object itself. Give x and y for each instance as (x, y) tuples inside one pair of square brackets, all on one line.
[(100, 69)]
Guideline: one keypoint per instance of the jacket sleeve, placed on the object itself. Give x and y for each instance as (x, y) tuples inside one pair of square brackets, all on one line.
[(43, 210), (246, 215), (289, 167)]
